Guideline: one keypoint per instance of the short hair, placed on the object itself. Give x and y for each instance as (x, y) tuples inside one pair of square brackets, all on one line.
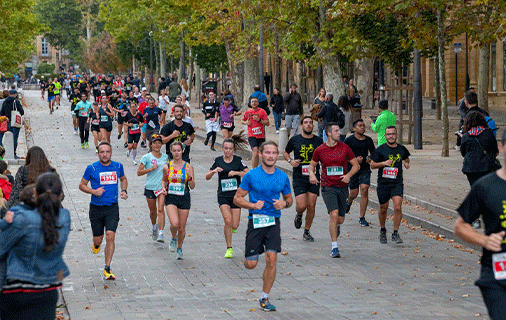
[(305, 117), (357, 121), (474, 119), (95, 103), (471, 98), (391, 127), (328, 127), (3, 166), (256, 87), (267, 143), (104, 143), (383, 104), (178, 106), (330, 96), (294, 85), (251, 98), (151, 99), (176, 143)]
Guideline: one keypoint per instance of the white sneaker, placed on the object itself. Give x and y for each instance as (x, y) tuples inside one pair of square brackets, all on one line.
[(134, 162), (128, 153), (75, 132), (457, 148), (277, 131)]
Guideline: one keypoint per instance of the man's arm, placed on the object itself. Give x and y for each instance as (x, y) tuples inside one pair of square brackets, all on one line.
[(240, 201), (124, 186), (354, 169), (466, 232)]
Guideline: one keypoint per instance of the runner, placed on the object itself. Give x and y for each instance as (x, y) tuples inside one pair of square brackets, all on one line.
[(152, 166), (50, 94), (163, 103), (362, 146), (95, 125), (83, 109), (210, 109), (264, 185), (42, 84), (152, 116), (256, 119), (178, 180), (106, 115), (57, 88), (74, 98), (487, 199), (230, 169), (388, 158), (121, 109), (143, 104), (227, 114), (334, 157), (133, 121), (104, 211), (178, 130), (303, 145)]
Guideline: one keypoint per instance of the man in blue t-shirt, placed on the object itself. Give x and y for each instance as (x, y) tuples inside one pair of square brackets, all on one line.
[(264, 184), (104, 211), (151, 117)]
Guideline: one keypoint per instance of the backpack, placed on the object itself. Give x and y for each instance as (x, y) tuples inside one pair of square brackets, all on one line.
[(492, 125)]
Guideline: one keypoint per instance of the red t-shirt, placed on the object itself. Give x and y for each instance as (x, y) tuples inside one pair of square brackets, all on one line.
[(334, 163), (255, 129), (141, 108)]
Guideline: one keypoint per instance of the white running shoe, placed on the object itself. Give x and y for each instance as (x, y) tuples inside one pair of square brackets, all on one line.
[(128, 153), (134, 162)]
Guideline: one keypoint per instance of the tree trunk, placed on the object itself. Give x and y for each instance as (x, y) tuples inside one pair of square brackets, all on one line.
[(198, 82), (181, 73), (290, 64), (163, 61), (157, 65), (301, 82), (236, 75), (483, 76), (445, 151), (277, 61), (437, 87), (333, 80), (364, 80), (251, 78), (171, 63)]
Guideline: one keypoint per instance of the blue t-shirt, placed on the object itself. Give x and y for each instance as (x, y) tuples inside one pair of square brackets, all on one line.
[(104, 176), (154, 178), (86, 111), (265, 187), (105, 119), (152, 118)]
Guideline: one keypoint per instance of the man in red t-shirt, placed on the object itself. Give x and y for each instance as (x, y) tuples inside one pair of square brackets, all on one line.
[(256, 119), (143, 105), (334, 157)]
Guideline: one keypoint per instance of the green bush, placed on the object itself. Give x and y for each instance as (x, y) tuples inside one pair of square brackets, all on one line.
[(45, 68)]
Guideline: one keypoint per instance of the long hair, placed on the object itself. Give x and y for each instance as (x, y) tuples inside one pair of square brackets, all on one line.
[(48, 189), (239, 141), (474, 119), (36, 163), (344, 103)]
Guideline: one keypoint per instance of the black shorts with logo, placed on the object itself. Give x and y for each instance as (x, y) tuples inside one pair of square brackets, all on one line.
[(261, 240), (361, 177), (103, 217), (255, 142), (388, 191), (303, 186)]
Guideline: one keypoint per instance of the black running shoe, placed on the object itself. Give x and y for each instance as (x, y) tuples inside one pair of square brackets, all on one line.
[(307, 236), (396, 238), (206, 142), (383, 237), (119, 136), (125, 145), (348, 207), (363, 222), (297, 221)]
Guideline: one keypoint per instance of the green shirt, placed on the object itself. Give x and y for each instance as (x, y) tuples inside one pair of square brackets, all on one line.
[(385, 119)]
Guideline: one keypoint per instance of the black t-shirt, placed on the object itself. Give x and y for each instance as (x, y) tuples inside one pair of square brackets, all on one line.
[(137, 119), (50, 89), (210, 108), (74, 84), (224, 181), (303, 150), (83, 86), (128, 87), (128, 99), (361, 148), (185, 130), (74, 99), (94, 119), (487, 199), (42, 84), (113, 96), (392, 174)]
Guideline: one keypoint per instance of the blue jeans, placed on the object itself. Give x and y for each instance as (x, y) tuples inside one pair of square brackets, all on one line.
[(277, 119), (321, 129), (15, 133)]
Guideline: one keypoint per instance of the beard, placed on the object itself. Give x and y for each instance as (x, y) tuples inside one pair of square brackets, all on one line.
[(307, 132)]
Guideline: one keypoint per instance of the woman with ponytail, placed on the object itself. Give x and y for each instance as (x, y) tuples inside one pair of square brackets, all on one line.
[(32, 242)]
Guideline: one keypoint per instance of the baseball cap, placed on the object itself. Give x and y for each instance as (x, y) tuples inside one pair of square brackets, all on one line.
[(156, 137), (103, 91), (144, 89), (12, 91)]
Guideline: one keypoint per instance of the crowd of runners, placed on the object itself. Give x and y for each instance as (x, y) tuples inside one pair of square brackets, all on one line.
[(335, 163)]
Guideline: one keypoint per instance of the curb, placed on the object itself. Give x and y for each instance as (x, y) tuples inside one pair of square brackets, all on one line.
[(412, 220)]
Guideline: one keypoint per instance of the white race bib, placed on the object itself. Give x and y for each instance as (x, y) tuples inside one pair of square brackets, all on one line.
[(305, 170), (123, 113), (256, 130), (390, 172), (84, 114), (109, 177), (158, 192), (176, 189), (227, 124), (135, 126), (262, 221), (335, 171), (95, 122), (499, 265), (104, 118), (229, 184)]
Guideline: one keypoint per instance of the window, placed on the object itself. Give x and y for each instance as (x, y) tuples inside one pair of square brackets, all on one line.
[(44, 47), (493, 66)]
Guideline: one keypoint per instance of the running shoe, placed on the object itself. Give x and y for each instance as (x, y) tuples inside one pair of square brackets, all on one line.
[(265, 305), (154, 234), (173, 245), (125, 145), (234, 230), (50, 111), (82, 145), (212, 148), (297, 221), (143, 144), (335, 253), (396, 238), (75, 131), (383, 237), (363, 222), (277, 131), (109, 275), (134, 162), (348, 207), (119, 136), (229, 253), (206, 141), (86, 145), (94, 249), (179, 254), (128, 153), (476, 224), (307, 236), (160, 238)]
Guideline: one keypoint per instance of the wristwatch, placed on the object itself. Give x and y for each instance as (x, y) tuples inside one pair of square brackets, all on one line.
[(287, 204), (288, 160)]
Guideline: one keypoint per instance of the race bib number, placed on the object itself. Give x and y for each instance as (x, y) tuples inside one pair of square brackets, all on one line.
[(123, 113), (390, 172), (158, 192), (95, 122), (104, 118), (84, 114), (499, 265), (262, 221), (305, 170), (256, 130), (335, 171), (135, 126), (109, 177), (151, 124), (228, 184), (176, 189), (227, 124)]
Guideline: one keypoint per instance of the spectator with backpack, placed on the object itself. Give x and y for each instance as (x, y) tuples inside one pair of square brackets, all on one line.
[(13, 110), (331, 113)]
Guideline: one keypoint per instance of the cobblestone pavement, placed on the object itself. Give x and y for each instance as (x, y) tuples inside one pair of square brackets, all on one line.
[(424, 278)]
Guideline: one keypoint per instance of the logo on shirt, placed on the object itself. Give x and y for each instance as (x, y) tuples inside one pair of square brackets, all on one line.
[(395, 159), (306, 152)]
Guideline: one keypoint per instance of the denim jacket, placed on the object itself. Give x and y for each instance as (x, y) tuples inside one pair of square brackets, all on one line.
[(22, 243)]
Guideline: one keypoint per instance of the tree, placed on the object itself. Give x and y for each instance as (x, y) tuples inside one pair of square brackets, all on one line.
[(102, 56), (213, 58), (45, 68), (19, 27)]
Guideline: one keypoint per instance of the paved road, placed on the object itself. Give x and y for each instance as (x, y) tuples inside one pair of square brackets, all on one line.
[(423, 278)]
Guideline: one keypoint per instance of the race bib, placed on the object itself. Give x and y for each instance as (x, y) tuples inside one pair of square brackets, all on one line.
[(256, 130), (335, 171), (135, 126), (123, 113), (95, 122), (104, 118), (390, 172), (158, 192), (305, 170), (499, 265), (262, 221), (151, 124), (229, 184), (109, 177), (227, 124), (84, 114), (176, 189)]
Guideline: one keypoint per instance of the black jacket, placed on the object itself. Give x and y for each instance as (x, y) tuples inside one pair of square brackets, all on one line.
[(277, 103), (479, 152), (465, 110), (8, 106), (330, 112)]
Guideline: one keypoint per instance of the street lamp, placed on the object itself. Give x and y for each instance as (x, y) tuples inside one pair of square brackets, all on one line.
[(151, 61), (457, 48)]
